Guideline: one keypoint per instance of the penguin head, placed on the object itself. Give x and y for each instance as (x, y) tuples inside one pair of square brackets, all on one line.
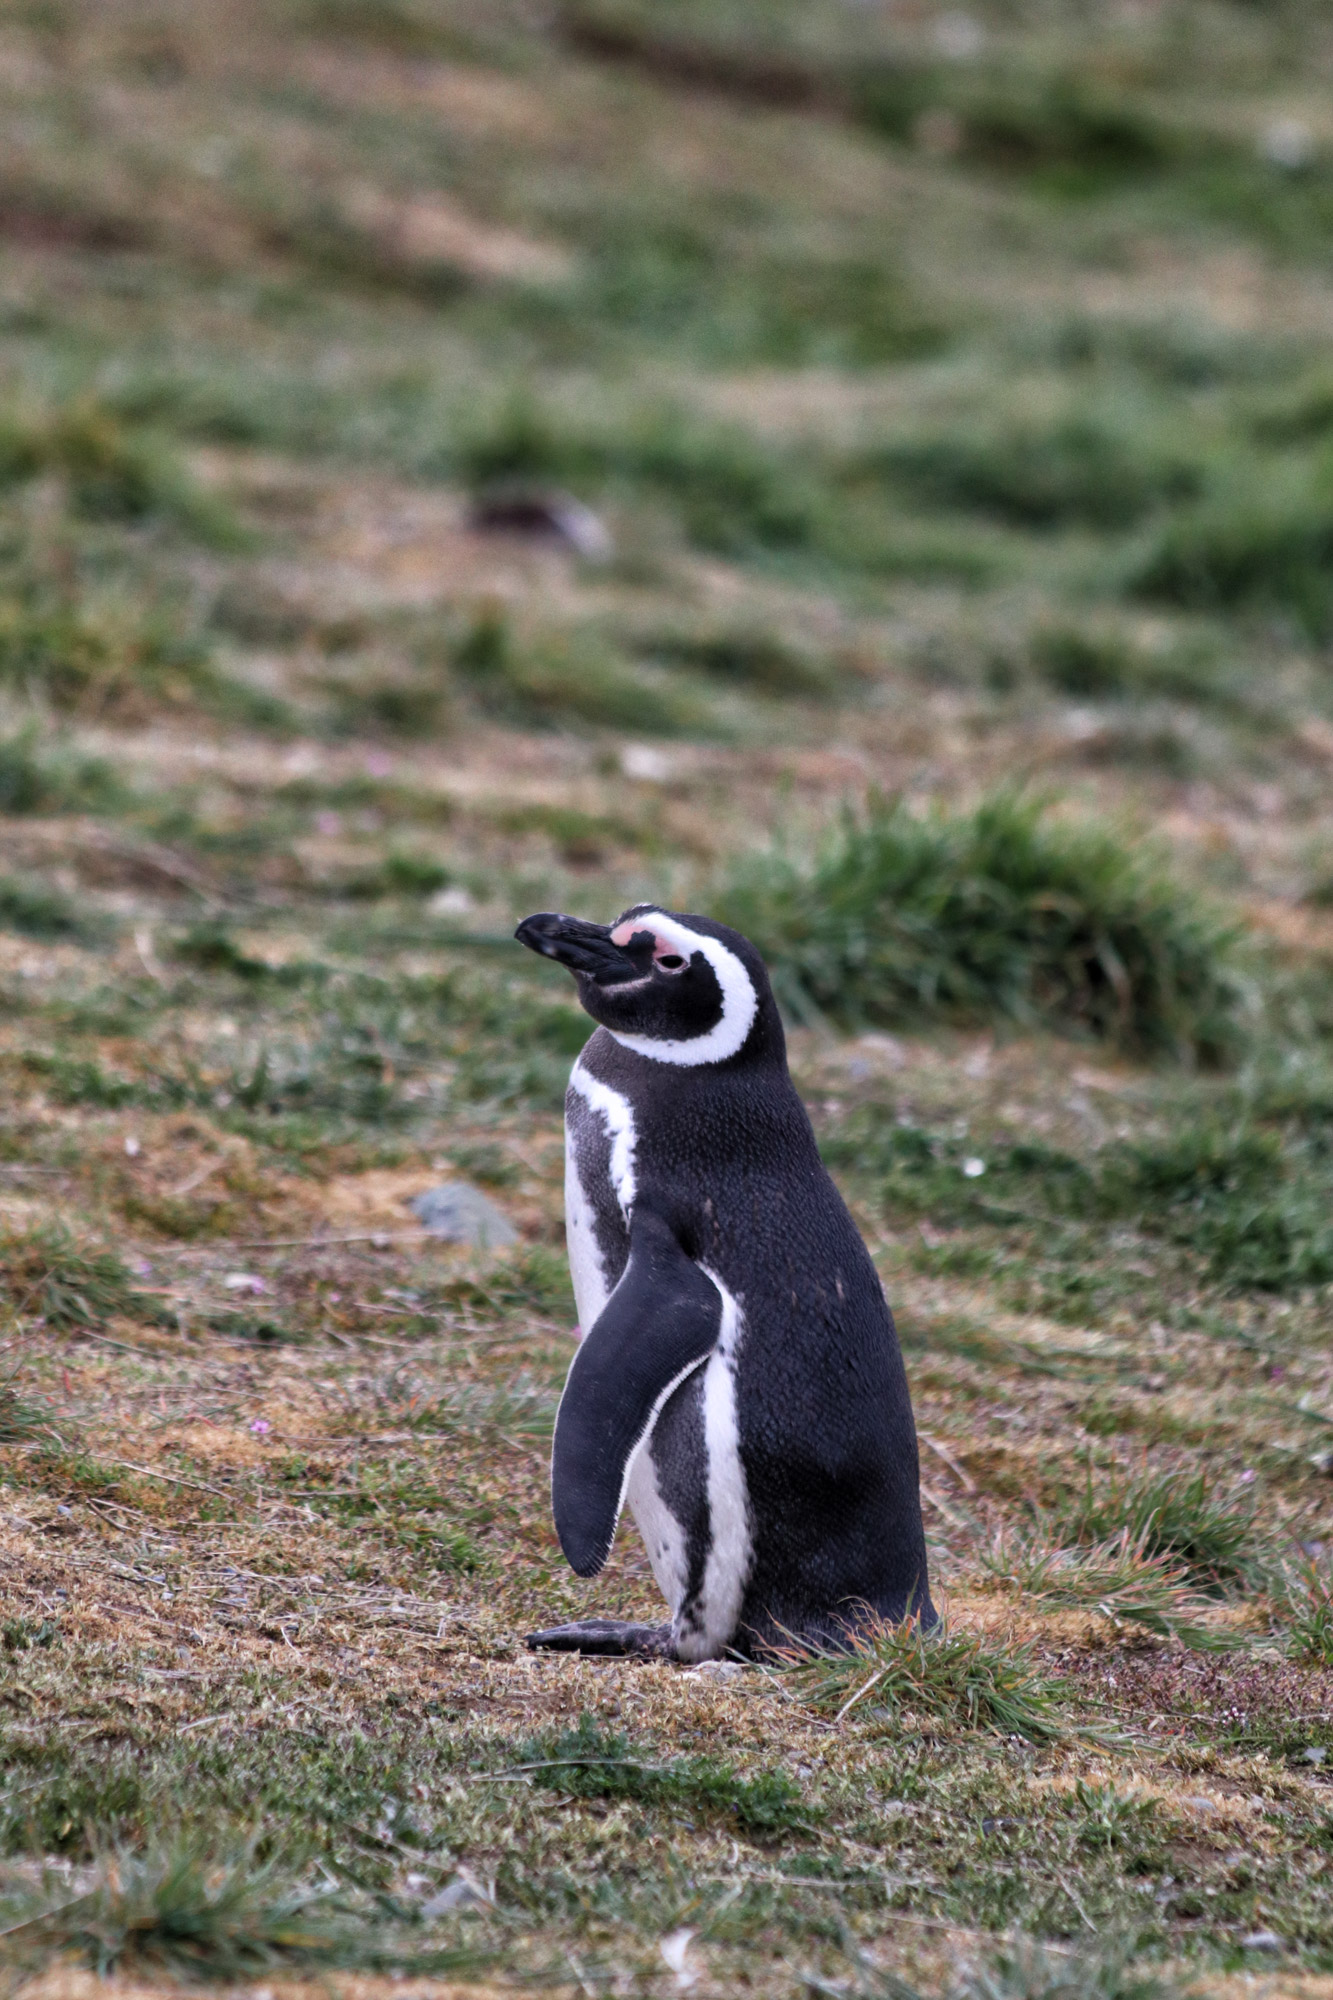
[(677, 989)]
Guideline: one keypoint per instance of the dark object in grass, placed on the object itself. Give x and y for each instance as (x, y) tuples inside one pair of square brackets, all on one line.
[(739, 1379), (210, 946), (586, 1763), (543, 515), (1002, 912)]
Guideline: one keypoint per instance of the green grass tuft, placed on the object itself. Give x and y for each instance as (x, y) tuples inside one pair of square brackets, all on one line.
[(1261, 541), (112, 470), (21, 1421), (1121, 1577), (45, 1273), (1087, 468), (998, 912), (34, 779), (563, 677), (35, 910), (195, 1911), (1026, 1970), (104, 659), (1168, 1514), (584, 1762), (1304, 1597), (903, 1677)]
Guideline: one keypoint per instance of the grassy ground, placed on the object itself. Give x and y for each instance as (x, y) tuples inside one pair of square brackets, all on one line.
[(955, 391)]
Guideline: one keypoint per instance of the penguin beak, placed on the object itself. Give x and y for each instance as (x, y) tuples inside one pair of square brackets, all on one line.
[(584, 948)]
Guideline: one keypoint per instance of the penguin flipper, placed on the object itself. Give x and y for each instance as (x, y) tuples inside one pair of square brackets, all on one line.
[(662, 1320)]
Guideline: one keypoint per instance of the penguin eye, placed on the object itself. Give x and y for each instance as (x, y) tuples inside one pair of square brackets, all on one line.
[(671, 961)]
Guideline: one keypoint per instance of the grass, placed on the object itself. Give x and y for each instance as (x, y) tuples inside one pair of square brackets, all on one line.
[(585, 1762), (1244, 1196), (1023, 1970), (34, 909), (1134, 1578), (98, 659), (111, 470), (1091, 467), (1160, 1514), (21, 1420), (38, 779), (54, 1279), (1029, 1971), (946, 1679), (1256, 543), (196, 1911), (568, 677), (1000, 912)]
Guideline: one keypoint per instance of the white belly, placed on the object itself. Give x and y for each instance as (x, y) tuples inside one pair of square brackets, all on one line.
[(705, 1618)]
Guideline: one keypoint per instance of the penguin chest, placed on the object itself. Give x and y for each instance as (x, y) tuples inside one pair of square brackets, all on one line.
[(600, 1185)]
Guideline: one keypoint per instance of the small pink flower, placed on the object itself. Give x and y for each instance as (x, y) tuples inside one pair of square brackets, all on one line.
[(261, 1426)]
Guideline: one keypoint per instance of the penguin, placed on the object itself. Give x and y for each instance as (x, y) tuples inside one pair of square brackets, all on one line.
[(738, 1382)]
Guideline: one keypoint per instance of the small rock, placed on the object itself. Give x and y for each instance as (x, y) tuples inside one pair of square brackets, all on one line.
[(675, 1949), (641, 761), (452, 902), (1202, 1805), (1322, 1461), (461, 1213), (1262, 1941), (1316, 1754), (887, 1047), (242, 1281), (464, 1889), (1287, 143), (959, 37), (716, 1670), (546, 515)]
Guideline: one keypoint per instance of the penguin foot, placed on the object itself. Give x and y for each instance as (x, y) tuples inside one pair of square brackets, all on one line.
[(606, 1636)]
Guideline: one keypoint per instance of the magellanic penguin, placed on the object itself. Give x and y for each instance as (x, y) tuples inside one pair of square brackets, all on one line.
[(738, 1380)]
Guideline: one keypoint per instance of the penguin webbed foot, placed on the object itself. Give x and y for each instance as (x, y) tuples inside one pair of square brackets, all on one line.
[(605, 1638)]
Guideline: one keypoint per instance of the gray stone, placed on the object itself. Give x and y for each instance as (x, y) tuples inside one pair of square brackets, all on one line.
[(464, 1889), (1261, 1941), (461, 1213)]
